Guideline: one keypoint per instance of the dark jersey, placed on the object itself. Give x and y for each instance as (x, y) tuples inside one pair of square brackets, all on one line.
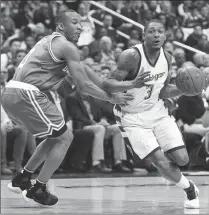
[(40, 67)]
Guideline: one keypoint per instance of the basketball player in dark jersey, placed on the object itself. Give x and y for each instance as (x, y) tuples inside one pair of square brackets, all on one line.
[(51, 60)]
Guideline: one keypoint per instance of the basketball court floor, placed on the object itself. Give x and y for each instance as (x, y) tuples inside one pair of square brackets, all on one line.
[(130, 195)]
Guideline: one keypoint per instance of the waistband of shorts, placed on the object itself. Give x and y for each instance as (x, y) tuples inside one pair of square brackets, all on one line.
[(21, 85)]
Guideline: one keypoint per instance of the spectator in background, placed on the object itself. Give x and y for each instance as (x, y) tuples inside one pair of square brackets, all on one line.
[(80, 111), (168, 10), (168, 46), (86, 115), (179, 34), (189, 111), (115, 6), (111, 64), (127, 11), (88, 28), (198, 60), (39, 37), (193, 39), (97, 56), (185, 12), (153, 7), (204, 18), (111, 32), (121, 163), (44, 14), (135, 35), (20, 54), (96, 67), (106, 47), (3, 38), (170, 35), (203, 44), (22, 19), (135, 38), (179, 56), (5, 126), (6, 20), (95, 45), (85, 56), (8, 57), (105, 72), (40, 28), (30, 42), (117, 52)]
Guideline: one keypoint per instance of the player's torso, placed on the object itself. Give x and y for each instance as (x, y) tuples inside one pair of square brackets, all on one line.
[(147, 97), (40, 67)]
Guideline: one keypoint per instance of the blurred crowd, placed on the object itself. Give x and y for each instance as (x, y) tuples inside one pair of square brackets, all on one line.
[(98, 145)]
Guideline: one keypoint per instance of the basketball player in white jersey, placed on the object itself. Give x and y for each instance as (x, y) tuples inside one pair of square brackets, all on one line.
[(145, 121)]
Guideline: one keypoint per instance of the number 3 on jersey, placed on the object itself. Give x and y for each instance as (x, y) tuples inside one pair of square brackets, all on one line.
[(149, 91)]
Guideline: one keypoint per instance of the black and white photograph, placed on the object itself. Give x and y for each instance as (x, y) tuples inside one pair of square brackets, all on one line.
[(104, 107)]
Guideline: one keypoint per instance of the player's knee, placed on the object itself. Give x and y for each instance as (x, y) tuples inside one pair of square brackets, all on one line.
[(182, 160), (64, 135)]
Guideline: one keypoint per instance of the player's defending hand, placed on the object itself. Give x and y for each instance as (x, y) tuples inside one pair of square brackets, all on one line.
[(121, 98), (143, 77)]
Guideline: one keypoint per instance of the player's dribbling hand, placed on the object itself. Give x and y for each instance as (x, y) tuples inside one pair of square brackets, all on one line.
[(121, 98), (141, 79)]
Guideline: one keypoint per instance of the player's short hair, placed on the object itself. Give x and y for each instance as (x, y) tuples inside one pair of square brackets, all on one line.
[(151, 21), (60, 18)]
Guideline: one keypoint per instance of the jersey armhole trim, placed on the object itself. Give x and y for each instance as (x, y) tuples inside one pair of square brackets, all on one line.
[(51, 53), (139, 63), (166, 57)]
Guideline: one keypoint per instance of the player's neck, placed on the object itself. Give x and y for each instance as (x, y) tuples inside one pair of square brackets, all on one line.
[(150, 51)]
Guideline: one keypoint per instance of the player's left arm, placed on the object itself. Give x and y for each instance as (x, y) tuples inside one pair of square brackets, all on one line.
[(93, 76), (169, 90)]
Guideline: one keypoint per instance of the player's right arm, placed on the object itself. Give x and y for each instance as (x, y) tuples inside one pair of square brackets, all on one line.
[(66, 50), (127, 65)]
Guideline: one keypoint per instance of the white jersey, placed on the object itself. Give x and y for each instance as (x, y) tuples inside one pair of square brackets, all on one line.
[(146, 99)]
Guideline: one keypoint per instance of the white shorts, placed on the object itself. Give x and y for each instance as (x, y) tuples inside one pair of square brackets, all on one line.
[(162, 134)]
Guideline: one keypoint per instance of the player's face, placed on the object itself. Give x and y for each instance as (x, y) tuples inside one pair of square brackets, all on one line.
[(72, 27), (155, 35)]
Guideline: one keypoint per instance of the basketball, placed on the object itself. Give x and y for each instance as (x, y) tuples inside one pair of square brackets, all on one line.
[(190, 81)]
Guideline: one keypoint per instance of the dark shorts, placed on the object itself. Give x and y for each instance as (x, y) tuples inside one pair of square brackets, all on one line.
[(32, 109)]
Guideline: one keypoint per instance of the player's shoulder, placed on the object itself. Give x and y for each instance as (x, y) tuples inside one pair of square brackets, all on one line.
[(63, 43), (129, 57), (129, 53), (63, 47)]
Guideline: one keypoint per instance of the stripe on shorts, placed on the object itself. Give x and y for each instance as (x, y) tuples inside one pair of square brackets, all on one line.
[(123, 132), (44, 118)]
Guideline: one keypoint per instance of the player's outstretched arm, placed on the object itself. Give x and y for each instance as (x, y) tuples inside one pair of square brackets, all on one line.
[(127, 66), (93, 76), (69, 52)]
